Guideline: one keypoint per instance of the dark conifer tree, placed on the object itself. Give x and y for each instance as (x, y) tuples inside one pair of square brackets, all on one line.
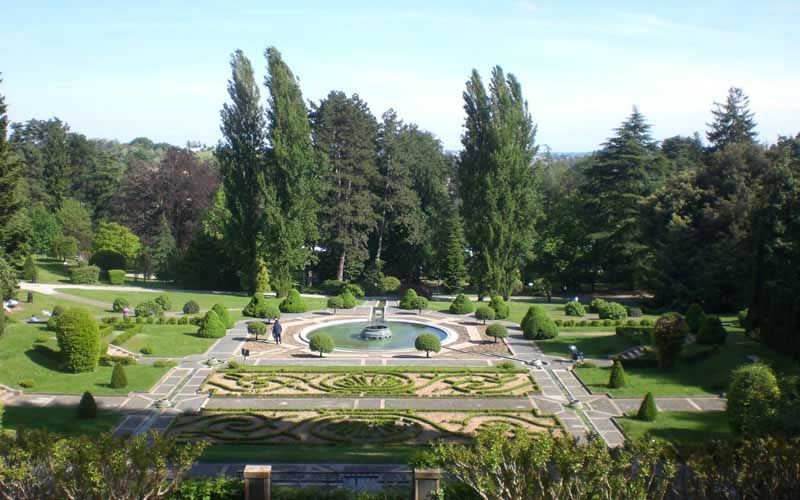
[(733, 121)]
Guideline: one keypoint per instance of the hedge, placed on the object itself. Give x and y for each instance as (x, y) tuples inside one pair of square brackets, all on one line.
[(641, 334), (408, 300), (84, 275), (116, 276), (79, 340), (147, 309)]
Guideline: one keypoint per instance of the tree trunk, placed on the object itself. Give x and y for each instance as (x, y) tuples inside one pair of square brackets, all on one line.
[(340, 269), (427, 354), (380, 236)]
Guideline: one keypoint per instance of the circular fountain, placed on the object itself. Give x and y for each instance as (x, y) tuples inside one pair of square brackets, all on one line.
[(391, 335), (376, 332)]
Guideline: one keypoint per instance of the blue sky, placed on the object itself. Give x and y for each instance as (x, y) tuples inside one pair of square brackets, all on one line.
[(122, 69)]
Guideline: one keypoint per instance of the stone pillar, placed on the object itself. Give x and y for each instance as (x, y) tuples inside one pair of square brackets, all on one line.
[(426, 481), (257, 480)]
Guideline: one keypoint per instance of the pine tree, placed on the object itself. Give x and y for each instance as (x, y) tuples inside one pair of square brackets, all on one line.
[(453, 262), (241, 162), (15, 228), (733, 121), (162, 249)]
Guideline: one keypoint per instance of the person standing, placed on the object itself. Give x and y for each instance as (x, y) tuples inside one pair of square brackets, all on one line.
[(277, 331)]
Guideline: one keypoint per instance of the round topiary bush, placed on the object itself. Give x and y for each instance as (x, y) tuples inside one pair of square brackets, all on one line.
[(293, 303), (79, 340), (617, 378), (191, 307), (119, 304), (669, 335), (348, 300), (224, 316), (408, 300), (87, 408), (574, 308), (484, 313), (147, 309), (634, 312), (496, 331), (321, 343), (211, 327), (163, 302), (501, 309), (537, 325), (119, 379), (256, 307), (390, 284), (712, 331), (753, 399), (595, 305), (116, 276), (461, 305), (353, 289), (648, 411), (428, 342), (694, 318), (419, 303), (335, 303), (256, 328), (612, 310)]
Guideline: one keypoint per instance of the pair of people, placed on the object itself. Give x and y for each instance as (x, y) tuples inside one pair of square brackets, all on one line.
[(277, 331)]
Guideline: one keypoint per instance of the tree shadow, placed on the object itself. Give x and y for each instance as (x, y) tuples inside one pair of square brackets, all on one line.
[(45, 356)]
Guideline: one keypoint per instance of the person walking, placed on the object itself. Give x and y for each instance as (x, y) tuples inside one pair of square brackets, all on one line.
[(277, 330)]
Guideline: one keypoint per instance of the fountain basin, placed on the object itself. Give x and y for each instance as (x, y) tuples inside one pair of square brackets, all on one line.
[(376, 332), (347, 334)]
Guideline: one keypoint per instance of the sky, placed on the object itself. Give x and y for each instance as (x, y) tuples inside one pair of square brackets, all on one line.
[(122, 69)]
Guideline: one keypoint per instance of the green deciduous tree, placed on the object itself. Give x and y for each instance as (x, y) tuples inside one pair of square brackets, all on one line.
[(114, 237), (76, 222), (45, 229)]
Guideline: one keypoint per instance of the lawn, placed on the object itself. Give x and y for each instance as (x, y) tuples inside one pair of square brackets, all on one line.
[(169, 340), (705, 377), (23, 359), (293, 453), (52, 270), (58, 419), (679, 427), (47, 302), (592, 346)]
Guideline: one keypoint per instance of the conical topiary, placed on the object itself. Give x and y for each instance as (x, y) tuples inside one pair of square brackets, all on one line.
[(712, 331), (224, 316), (87, 408), (293, 303), (694, 318), (119, 379), (617, 378), (212, 326), (648, 411)]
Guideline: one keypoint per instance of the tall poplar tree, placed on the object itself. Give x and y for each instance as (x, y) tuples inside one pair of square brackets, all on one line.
[(291, 219), (733, 121), (241, 161), (496, 180)]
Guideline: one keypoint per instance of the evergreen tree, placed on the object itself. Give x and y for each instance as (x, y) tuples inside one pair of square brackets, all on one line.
[(344, 135), (162, 250), (241, 162), (496, 181), (76, 222), (733, 121), (14, 224), (291, 221), (45, 229), (453, 261)]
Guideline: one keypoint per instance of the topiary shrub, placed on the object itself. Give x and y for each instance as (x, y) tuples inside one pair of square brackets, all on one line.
[(712, 331), (353, 289), (418, 289), (116, 276), (163, 302), (390, 284), (321, 343), (119, 379), (183, 320), (348, 300), (496, 331), (84, 275), (271, 313), (501, 309), (331, 287), (257, 307), (537, 325), (669, 335), (119, 304), (79, 340), (335, 303), (694, 318), (484, 313), (293, 303), (87, 408), (256, 328), (612, 310), (461, 305), (648, 411), (147, 309), (420, 303), (211, 327), (428, 342), (574, 308), (191, 307), (29, 270), (617, 378), (646, 322), (107, 260), (595, 305), (753, 399), (147, 350), (635, 312), (408, 300), (224, 316)]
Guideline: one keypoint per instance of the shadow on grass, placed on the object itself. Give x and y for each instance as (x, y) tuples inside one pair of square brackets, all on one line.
[(45, 356)]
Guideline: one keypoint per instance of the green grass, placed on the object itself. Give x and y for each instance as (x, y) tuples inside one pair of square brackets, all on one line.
[(59, 419), (169, 340), (700, 378), (679, 427), (298, 453), (47, 302), (21, 358), (593, 346), (52, 270)]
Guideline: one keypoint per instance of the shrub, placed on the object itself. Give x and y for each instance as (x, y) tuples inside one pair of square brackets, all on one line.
[(212, 327), (118, 377), (335, 303), (418, 289), (224, 316), (635, 312), (595, 322), (428, 342), (595, 305), (165, 363), (87, 408), (484, 313), (116, 276), (163, 302), (741, 317), (147, 309), (669, 334), (106, 360), (753, 399), (26, 384), (261, 284), (694, 318), (617, 378), (321, 343), (84, 275), (537, 324), (612, 310), (172, 321), (712, 331), (461, 305), (648, 410), (191, 307), (331, 287), (558, 322), (501, 309), (150, 320), (29, 270), (257, 306), (42, 339), (641, 334), (271, 313), (79, 340), (183, 320), (293, 303), (108, 259), (256, 328), (631, 322), (646, 322), (496, 331), (608, 322), (408, 299), (353, 289), (574, 308), (419, 303), (147, 350), (390, 284), (569, 322), (348, 300), (119, 304)]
